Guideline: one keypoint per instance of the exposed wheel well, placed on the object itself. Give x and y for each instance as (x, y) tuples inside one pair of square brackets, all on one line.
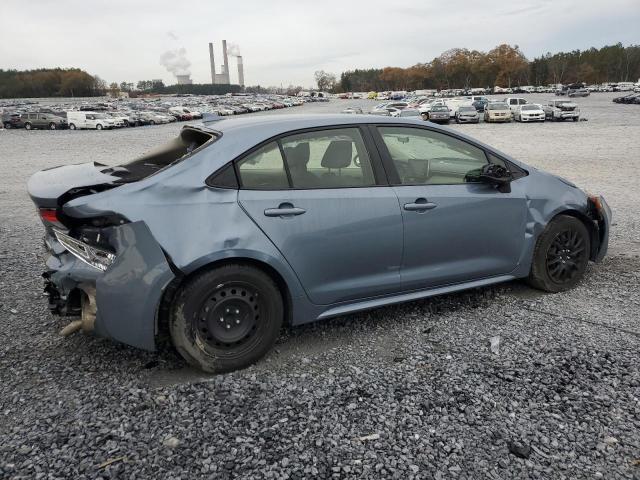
[(171, 290), (591, 228)]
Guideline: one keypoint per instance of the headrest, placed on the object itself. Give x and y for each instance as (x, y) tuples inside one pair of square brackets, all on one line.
[(298, 156), (338, 154)]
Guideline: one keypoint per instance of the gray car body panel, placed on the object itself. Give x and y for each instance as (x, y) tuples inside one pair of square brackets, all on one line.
[(128, 293), (176, 216)]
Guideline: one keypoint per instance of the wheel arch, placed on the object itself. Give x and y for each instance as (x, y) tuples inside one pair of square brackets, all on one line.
[(594, 238), (181, 279)]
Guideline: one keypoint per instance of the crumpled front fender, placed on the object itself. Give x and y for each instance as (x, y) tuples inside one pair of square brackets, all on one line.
[(128, 293)]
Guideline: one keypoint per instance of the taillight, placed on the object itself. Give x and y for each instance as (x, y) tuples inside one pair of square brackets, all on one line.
[(50, 216)]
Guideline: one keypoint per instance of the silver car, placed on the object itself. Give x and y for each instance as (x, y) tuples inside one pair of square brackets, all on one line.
[(467, 115), (232, 230)]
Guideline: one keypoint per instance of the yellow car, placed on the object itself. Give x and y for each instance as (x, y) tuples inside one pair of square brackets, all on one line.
[(372, 95)]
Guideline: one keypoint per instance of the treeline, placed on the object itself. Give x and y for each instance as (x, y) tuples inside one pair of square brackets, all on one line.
[(201, 89), (504, 66), (49, 82), (73, 82)]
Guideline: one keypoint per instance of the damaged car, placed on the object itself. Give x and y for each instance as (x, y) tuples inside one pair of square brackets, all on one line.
[(240, 226)]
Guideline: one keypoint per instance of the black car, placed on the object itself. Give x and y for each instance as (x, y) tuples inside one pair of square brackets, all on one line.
[(480, 105), (628, 99), (12, 120)]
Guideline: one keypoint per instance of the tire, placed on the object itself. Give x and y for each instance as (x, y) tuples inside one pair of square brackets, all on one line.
[(575, 119), (226, 318), (99, 126), (7, 126), (561, 255), (52, 126), (27, 126), (72, 126), (152, 122)]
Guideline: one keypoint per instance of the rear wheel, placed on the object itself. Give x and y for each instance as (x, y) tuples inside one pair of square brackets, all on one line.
[(561, 255), (52, 126), (72, 126), (28, 126), (226, 318)]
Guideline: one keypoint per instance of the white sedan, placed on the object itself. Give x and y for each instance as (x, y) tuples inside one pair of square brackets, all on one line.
[(530, 112)]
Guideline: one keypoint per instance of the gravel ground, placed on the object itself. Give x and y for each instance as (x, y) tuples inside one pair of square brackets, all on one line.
[(409, 391)]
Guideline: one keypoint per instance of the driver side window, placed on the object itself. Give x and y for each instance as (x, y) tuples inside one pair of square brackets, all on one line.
[(424, 157)]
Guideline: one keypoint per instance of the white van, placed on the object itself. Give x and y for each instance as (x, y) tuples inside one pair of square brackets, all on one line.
[(92, 120)]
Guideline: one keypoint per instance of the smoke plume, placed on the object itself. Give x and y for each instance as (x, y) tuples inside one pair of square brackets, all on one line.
[(233, 49), (176, 62)]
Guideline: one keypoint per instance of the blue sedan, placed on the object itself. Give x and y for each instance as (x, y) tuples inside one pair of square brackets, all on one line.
[(242, 225)]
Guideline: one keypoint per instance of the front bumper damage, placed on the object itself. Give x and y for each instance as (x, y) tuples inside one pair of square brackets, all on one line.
[(120, 303), (601, 213)]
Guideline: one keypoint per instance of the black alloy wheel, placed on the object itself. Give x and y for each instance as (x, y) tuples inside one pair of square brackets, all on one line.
[(561, 255), (565, 254)]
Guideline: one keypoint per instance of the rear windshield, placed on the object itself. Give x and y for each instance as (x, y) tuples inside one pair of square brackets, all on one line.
[(181, 147)]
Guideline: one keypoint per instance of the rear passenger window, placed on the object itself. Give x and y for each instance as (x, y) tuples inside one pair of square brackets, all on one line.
[(335, 158), (263, 169)]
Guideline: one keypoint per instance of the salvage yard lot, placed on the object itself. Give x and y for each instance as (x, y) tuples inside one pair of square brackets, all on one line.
[(410, 391)]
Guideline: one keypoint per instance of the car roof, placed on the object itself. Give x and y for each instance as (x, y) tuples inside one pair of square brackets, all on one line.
[(277, 124)]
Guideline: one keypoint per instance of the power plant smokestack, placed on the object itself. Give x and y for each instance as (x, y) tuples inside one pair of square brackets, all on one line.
[(213, 64), (225, 58), (240, 71), (224, 76)]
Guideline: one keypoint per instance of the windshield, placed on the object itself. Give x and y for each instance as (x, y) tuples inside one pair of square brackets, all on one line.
[(439, 108), (467, 109), (530, 107), (498, 106)]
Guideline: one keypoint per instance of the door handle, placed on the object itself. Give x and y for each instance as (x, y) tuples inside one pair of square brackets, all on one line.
[(284, 210), (420, 205)]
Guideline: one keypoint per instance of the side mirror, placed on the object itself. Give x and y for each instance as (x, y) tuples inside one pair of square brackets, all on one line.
[(497, 175)]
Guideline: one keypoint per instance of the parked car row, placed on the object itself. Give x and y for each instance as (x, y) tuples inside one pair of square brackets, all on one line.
[(572, 90), (106, 115), (468, 110), (633, 98)]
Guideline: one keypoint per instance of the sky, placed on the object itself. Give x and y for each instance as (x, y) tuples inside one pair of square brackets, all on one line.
[(284, 42)]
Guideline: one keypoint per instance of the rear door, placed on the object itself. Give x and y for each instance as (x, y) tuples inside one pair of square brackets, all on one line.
[(455, 230), (320, 198)]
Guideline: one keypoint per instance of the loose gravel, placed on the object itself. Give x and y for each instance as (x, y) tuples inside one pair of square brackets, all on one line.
[(499, 383)]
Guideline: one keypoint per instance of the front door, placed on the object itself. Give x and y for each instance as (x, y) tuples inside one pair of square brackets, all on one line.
[(455, 230), (322, 208)]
